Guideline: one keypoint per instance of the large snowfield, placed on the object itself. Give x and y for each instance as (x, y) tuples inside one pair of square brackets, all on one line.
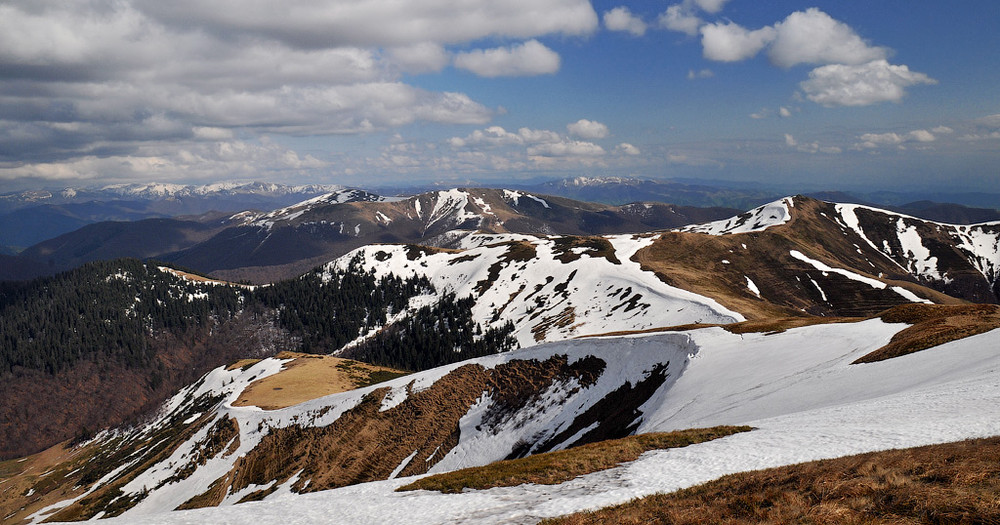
[(797, 388)]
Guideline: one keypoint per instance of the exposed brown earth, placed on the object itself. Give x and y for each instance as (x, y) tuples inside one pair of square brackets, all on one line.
[(942, 484), (108, 500), (309, 376), (769, 326), (551, 468)]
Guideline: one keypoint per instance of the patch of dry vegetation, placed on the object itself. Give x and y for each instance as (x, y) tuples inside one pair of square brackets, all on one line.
[(551, 468), (933, 325), (568, 249), (311, 376), (37, 481), (201, 278), (780, 324), (939, 484)]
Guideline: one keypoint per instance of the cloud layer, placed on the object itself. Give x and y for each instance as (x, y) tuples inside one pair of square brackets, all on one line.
[(94, 79)]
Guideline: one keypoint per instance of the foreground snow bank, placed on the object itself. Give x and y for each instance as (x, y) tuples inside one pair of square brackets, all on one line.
[(797, 388)]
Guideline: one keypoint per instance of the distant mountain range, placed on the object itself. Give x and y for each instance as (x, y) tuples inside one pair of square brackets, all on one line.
[(30, 217), (261, 246)]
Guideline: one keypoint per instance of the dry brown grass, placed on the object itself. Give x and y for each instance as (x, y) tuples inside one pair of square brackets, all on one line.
[(49, 477), (309, 377), (933, 325), (200, 278), (552, 468), (955, 483)]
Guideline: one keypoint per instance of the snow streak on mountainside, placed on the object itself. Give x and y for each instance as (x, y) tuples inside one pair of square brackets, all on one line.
[(551, 288), (922, 247)]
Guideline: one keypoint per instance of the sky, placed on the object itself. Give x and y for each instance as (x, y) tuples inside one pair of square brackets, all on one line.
[(829, 94)]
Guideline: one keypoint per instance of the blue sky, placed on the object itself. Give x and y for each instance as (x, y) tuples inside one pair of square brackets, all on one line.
[(807, 96)]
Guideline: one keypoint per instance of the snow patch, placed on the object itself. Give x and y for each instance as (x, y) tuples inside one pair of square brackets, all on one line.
[(906, 294), (403, 465), (755, 220)]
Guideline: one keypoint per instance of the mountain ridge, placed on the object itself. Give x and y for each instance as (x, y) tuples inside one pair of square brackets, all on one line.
[(796, 257)]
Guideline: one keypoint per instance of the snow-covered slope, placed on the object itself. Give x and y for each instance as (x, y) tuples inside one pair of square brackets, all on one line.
[(550, 288), (797, 388), (290, 213), (755, 220)]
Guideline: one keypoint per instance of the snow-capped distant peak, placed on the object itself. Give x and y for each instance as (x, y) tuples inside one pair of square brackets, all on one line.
[(340, 196), (755, 220), (599, 181), (156, 190)]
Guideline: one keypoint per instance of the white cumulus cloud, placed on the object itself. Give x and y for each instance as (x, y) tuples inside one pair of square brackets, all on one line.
[(813, 37), (526, 59), (587, 129), (425, 57), (682, 18), (810, 147), (621, 19), (861, 85), (711, 6), (135, 75), (376, 23), (730, 42)]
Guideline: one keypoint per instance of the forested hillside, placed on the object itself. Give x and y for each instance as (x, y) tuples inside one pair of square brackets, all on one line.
[(126, 333)]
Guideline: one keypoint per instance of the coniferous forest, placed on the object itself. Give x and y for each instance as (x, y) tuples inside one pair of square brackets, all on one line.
[(111, 311), (436, 334)]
